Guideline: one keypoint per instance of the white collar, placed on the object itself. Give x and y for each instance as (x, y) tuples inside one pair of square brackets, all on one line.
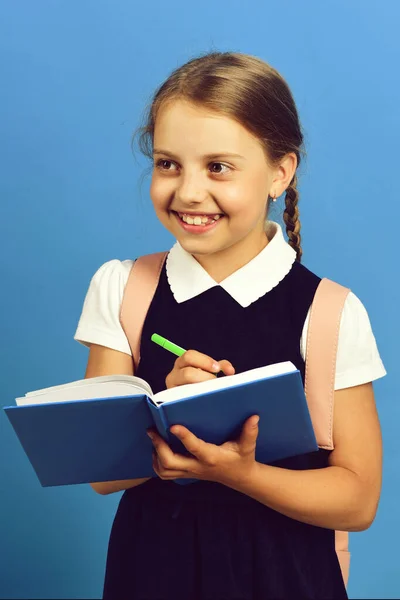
[(187, 278)]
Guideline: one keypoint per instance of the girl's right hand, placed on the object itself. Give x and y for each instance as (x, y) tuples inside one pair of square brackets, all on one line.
[(193, 367)]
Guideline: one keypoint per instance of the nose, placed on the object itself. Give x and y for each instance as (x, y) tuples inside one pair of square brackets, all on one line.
[(191, 190)]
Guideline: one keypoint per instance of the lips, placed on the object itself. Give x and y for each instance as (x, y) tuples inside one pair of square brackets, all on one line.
[(196, 214), (198, 219), (198, 223)]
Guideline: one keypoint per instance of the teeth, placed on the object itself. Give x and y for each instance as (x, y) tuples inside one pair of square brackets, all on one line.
[(198, 220)]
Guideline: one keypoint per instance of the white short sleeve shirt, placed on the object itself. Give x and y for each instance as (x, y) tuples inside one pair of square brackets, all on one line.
[(358, 359)]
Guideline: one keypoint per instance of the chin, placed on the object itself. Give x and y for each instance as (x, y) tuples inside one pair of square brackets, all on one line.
[(196, 247)]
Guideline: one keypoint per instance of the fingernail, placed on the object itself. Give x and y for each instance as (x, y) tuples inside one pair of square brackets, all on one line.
[(151, 436), (216, 367), (256, 422)]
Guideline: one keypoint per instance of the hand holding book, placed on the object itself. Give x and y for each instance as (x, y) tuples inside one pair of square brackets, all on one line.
[(225, 463)]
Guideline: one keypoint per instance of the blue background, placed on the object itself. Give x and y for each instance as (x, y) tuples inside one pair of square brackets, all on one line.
[(75, 78)]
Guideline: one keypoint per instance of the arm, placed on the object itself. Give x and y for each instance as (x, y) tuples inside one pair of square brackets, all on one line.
[(344, 495), (105, 361)]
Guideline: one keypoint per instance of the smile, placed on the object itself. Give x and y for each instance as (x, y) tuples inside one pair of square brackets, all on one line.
[(198, 223), (198, 220)]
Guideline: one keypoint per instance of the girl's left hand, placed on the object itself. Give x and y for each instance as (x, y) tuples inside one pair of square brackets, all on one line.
[(230, 462)]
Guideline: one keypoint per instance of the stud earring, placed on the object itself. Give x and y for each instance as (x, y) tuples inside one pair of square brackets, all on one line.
[(273, 198)]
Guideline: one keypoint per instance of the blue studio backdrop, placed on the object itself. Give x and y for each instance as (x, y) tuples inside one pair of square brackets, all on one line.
[(75, 79)]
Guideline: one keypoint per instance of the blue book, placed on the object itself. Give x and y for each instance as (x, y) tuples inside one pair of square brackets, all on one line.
[(95, 429)]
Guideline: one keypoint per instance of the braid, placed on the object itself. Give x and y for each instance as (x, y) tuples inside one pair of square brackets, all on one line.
[(291, 218)]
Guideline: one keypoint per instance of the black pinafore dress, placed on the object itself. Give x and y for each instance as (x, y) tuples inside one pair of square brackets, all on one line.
[(205, 541)]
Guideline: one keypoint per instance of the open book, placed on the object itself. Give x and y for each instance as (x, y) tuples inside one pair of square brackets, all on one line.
[(109, 386), (95, 429)]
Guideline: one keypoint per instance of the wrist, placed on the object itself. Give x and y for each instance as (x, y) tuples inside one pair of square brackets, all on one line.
[(241, 479)]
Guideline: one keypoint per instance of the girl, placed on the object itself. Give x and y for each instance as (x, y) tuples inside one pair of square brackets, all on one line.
[(225, 138)]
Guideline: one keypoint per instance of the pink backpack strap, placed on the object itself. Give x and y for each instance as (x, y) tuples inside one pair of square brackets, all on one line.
[(343, 554), (322, 343), (139, 291)]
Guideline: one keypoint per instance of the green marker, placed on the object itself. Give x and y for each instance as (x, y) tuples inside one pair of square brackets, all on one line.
[(158, 339)]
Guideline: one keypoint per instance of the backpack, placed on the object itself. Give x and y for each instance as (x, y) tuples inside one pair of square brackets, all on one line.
[(322, 341)]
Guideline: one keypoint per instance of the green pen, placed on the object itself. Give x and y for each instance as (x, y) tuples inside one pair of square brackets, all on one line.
[(177, 350), (161, 341)]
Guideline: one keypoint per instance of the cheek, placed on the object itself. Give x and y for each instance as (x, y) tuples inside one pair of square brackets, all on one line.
[(160, 193), (243, 206), (247, 198)]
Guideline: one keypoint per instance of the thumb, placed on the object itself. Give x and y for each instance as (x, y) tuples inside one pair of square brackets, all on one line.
[(248, 436)]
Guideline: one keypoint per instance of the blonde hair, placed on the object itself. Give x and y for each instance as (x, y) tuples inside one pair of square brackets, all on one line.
[(249, 90)]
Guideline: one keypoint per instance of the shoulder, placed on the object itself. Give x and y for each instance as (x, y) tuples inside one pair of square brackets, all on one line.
[(99, 322), (302, 273), (358, 360), (302, 283), (112, 276), (107, 286)]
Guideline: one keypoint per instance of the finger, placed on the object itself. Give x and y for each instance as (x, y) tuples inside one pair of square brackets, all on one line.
[(157, 440), (204, 452), (227, 367), (187, 376), (248, 437), (193, 358), (166, 457), (192, 375), (166, 473)]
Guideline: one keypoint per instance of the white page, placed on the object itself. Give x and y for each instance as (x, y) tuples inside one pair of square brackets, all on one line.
[(86, 392), (129, 379), (113, 386), (204, 387)]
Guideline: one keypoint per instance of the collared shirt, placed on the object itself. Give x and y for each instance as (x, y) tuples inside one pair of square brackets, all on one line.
[(358, 359), (246, 285)]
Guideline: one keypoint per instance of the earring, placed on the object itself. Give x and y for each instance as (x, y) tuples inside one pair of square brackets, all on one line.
[(273, 198)]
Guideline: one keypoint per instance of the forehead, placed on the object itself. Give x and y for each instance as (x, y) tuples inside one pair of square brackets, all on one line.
[(184, 125)]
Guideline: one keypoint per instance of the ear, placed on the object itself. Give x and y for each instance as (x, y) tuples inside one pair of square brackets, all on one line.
[(284, 174)]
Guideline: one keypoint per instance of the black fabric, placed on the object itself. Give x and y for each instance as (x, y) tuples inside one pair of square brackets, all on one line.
[(204, 541)]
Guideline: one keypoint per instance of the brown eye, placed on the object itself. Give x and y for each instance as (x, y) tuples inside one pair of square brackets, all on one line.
[(163, 164), (219, 172)]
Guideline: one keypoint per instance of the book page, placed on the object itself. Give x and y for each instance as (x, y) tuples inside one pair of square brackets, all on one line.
[(204, 387), (107, 386)]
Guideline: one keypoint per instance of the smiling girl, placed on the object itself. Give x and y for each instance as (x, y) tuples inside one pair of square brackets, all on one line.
[(225, 140)]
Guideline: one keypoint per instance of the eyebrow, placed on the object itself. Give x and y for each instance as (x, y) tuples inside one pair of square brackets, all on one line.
[(208, 156)]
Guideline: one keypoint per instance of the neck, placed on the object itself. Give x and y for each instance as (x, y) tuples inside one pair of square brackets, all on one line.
[(222, 264)]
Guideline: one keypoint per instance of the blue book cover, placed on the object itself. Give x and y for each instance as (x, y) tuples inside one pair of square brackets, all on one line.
[(104, 439)]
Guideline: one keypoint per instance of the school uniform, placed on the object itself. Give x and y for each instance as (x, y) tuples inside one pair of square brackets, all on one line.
[(204, 541)]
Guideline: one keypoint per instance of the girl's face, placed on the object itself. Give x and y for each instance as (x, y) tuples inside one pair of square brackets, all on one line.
[(210, 184)]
